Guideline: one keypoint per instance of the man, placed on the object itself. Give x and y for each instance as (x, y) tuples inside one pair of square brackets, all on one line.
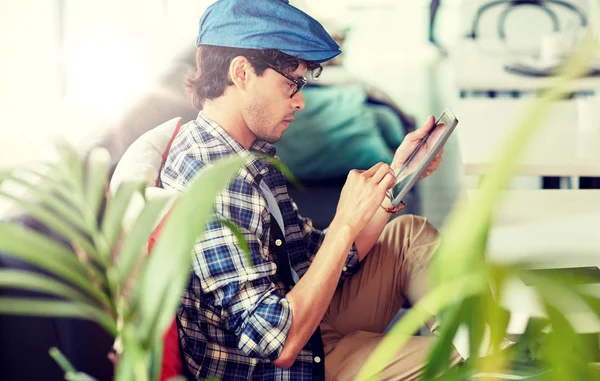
[(310, 305)]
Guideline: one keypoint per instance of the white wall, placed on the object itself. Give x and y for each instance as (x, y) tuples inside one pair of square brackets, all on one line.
[(111, 50)]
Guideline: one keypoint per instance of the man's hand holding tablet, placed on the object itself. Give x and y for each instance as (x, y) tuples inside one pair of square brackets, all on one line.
[(419, 155)]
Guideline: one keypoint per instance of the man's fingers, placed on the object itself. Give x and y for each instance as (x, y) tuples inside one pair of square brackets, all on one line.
[(387, 182), (382, 172), (371, 171), (425, 128)]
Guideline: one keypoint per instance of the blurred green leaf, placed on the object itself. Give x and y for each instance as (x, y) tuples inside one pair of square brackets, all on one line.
[(116, 209), (52, 178), (163, 280), (138, 354), (499, 317), (70, 373), (43, 307), (562, 348), (592, 301), (125, 367), (476, 324), (79, 376), (565, 351), (239, 235), (62, 361), (26, 280), (138, 237), (41, 251), (43, 192), (97, 178), (156, 354), (47, 218), (70, 164), (439, 357)]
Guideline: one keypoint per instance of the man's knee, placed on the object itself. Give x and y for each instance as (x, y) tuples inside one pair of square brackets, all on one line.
[(414, 227), (414, 236)]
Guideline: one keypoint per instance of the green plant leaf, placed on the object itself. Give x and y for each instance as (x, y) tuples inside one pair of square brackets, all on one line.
[(70, 164), (47, 218), (52, 177), (476, 323), (137, 238), (26, 280), (41, 251), (499, 317), (97, 178), (564, 350), (439, 357), (116, 208), (125, 367), (44, 193), (163, 280), (137, 354), (156, 354), (62, 361), (79, 376), (42, 307), (70, 373), (239, 235)]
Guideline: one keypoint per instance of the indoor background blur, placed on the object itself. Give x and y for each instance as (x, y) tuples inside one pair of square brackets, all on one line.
[(70, 67)]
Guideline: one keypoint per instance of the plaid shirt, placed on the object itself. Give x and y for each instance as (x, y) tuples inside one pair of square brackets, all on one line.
[(234, 318)]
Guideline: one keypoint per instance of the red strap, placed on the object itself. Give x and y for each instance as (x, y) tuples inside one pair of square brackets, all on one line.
[(166, 151), (172, 364)]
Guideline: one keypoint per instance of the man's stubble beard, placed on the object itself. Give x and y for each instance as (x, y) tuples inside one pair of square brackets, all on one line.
[(259, 120)]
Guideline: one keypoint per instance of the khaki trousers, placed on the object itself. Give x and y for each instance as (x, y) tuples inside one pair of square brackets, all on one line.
[(394, 270)]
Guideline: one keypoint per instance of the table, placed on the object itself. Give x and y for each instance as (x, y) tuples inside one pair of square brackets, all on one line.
[(478, 68), (555, 228), (485, 124)]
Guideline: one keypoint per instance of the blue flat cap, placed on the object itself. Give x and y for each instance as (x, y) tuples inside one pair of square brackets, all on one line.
[(266, 24)]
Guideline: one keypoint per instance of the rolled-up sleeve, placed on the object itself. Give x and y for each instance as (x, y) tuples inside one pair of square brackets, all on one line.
[(243, 295)]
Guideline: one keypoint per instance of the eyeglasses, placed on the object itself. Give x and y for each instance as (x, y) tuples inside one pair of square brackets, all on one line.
[(299, 83)]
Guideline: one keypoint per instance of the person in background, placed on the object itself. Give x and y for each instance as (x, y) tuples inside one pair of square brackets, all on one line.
[(312, 305)]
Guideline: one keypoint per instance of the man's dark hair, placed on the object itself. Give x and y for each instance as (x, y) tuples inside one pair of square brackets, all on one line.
[(212, 65)]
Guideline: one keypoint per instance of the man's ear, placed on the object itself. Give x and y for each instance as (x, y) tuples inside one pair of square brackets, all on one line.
[(239, 72)]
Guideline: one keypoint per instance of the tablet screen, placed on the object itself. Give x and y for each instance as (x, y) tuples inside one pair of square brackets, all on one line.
[(419, 160)]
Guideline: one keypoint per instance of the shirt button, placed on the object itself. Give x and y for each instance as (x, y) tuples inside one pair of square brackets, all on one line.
[(278, 242), (317, 359), (344, 269)]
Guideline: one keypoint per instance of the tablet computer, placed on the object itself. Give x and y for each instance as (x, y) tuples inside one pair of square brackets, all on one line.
[(419, 160)]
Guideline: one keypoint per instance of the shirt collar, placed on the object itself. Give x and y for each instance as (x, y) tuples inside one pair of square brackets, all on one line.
[(254, 164)]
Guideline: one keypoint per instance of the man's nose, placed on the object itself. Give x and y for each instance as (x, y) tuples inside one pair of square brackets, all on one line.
[(298, 101)]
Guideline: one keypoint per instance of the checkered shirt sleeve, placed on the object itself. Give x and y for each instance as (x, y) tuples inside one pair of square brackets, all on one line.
[(245, 295)]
